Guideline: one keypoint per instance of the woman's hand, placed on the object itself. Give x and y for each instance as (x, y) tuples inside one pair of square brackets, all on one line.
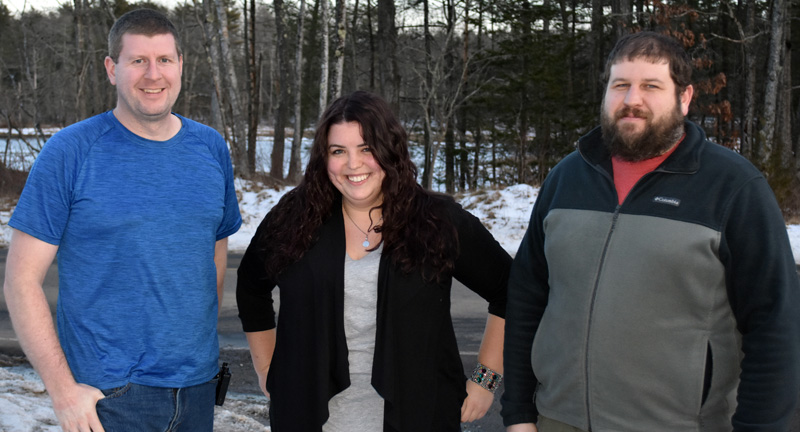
[(477, 403), (262, 382), (262, 346), (490, 355)]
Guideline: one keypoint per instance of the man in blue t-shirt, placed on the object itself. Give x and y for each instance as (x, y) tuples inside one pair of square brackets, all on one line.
[(137, 203)]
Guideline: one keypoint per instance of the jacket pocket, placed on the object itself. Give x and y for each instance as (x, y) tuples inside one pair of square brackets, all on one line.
[(709, 374)]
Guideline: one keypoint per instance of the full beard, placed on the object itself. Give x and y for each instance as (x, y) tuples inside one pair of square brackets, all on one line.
[(656, 139)]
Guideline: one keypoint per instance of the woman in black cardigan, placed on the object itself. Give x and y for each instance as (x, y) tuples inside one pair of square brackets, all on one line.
[(363, 255)]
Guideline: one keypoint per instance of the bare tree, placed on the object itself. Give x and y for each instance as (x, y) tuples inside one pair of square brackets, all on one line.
[(253, 84), (774, 77), (295, 169), (354, 46), (749, 53), (478, 134), (784, 120), (464, 173), (237, 123), (324, 78), (443, 93), (523, 109), (281, 114), (81, 59), (597, 50), (427, 106), (388, 74), (213, 55), (372, 58), (339, 47)]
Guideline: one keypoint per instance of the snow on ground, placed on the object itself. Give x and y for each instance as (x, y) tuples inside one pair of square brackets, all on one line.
[(505, 211), (25, 407)]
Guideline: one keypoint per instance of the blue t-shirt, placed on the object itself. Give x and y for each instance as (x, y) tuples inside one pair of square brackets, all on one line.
[(136, 223)]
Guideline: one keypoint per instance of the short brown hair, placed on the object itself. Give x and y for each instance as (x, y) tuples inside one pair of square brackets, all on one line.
[(653, 47), (147, 22)]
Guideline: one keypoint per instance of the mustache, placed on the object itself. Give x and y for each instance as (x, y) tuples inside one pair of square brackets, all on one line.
[(631, 112)]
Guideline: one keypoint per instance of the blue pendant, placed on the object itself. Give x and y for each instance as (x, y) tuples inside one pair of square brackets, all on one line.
[(365, 244)]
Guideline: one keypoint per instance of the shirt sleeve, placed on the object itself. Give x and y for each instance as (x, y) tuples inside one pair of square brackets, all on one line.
[(254, 288), (232, 218), (482, 264), (527, 298), (44, 205), (764, 294)]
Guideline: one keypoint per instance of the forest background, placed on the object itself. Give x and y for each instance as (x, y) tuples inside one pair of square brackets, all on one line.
[(497, 90)]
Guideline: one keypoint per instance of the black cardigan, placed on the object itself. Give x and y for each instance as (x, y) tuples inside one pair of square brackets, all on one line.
[(417, 368)]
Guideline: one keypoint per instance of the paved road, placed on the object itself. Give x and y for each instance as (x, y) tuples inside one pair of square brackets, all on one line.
[(468, 310), (469, 318)]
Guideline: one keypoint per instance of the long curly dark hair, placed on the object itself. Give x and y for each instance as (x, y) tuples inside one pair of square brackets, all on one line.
[(414, 231)]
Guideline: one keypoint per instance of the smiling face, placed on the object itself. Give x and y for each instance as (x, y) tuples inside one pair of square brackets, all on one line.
[(352, 168), (642, 113), (147, 75)]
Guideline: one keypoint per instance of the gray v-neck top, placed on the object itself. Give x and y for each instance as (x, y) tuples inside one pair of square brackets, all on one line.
[(359, 407)]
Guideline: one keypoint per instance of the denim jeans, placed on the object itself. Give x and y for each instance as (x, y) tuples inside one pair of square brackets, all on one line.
[(135, 408)]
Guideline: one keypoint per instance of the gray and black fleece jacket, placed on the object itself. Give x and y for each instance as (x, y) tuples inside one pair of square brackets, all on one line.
[(676, 310)]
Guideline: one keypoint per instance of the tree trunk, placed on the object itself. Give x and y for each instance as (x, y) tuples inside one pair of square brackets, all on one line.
[(253, 87), (237, 123), (748, 125), (774, 77), (597, 52), (213, 58), (276, 159), (523, 125), (372, 57), (324, 77), (478, 135), (463, 153), (427, 164), (449, 156), (353, 46), (80, 66), (388, 75), (784, 129), (450, 84), (339, 48), (295, 169), (568, 32)]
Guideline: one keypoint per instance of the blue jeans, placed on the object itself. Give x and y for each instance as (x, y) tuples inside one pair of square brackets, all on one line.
[(141, 408)]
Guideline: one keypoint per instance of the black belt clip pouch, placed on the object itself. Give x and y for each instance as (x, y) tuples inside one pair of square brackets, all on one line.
[(223, 379)]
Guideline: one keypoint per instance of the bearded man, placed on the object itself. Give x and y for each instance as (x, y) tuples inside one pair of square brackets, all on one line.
[(655, 288)]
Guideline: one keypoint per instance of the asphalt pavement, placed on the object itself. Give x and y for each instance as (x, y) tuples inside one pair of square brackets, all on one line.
[(468, 311)]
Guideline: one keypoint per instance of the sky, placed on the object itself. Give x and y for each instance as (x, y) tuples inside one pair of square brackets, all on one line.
[(16, 6)]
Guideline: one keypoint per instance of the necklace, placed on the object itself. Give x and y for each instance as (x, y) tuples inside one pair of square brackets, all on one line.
[(366, 233)]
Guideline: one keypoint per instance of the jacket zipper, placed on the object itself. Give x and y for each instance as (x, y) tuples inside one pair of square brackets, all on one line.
[(610, 178), (597, 278), (591, 313)]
